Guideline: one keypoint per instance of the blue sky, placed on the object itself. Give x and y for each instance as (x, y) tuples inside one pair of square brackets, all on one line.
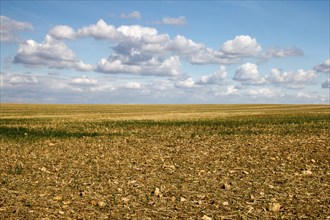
[(165, 51)]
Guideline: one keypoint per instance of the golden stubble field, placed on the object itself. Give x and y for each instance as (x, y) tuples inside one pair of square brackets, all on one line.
[(164, 162)]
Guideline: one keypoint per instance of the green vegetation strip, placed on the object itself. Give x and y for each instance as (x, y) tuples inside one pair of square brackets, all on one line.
[(43, 128)]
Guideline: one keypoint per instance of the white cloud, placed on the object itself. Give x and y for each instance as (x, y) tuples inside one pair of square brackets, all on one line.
[(323, 67), (103, 31), (281, 52), (136, 31), (170, 66), (100, 30), (197, 53), (117, 66), (50, 53), (23, 80), (9, 28), (186, 83), (183, 45), (155, 41), (84, 81), (248, 74), (132, 85), (133, 15), (153, 66), (304, 95), (326, 84), (181, 20), (161, 85), (215, 78), (292, 79), (210, 56), (102, 88), (81, 66), (139, 49), (85, 89), (307, 97), (142, 48), (62, 32), (109, 87), (231, 90), (148, 41), (260, 92), (145, 39), (241, 46)]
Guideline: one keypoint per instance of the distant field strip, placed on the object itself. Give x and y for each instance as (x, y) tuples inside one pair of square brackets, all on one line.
[(152, 112)]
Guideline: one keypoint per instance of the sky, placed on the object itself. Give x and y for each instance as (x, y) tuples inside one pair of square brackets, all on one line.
[(165, 52)]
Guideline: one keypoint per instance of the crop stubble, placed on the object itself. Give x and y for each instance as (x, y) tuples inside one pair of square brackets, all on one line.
[(164, 161)]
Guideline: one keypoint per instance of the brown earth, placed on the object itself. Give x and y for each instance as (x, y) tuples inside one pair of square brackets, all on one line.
[(164, 162)]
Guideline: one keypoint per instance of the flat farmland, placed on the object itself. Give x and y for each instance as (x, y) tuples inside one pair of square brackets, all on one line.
[(164, 161)]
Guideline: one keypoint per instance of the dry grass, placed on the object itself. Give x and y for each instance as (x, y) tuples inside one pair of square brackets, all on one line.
[(164, 161)]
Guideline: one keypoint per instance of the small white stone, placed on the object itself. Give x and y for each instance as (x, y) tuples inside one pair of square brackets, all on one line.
[(307, 172), (157, 192), (274, 207), (205, 217)]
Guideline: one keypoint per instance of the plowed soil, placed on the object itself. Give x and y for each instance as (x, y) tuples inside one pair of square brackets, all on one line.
[(164, 162)]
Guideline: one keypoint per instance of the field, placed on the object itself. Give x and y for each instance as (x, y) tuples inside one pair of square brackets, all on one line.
[(164, 162)]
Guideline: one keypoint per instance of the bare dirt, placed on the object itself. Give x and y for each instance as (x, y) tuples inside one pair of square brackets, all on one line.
[(164, 162)]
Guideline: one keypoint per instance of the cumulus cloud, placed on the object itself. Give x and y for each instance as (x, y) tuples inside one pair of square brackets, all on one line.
[(197, 53), (326, 84), (148, 40), (260, 92), (183, 45), (117, 66), (141, 48), (84, 81), (281, 53), (115, 87), (304, 95), (248, 74), (242, 46), (103, 31), (216, 78), (133, 15), (62, 32), (323, 67), (210, 56), (153, 66), (186, 83), (231, 90), (145, 39), (136, 31), (145, 44), (50, 53), (100, 30), (23, 80), (186, 48), (9, 28), (181, 20), (132, 85), (292, 79)]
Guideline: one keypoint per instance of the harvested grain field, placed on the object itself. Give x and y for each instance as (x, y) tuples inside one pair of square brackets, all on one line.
[(164, 162)]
